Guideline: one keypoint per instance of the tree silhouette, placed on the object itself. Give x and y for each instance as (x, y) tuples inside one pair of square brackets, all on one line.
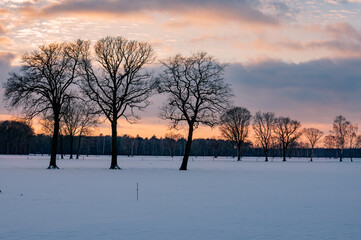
[(313, 135), (44, 85), (263, 124), (196, 93), (119, 86), (234, 127), (340, 131), (287, 132)]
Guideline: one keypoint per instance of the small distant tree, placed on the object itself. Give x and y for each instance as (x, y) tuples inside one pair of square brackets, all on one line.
[(352, 138), (78, 119), (234, 127), (340, 131), (196, 93), (329, 142), (43, 87), (313, 136), (287, 132), (119, 85), (263, 124)]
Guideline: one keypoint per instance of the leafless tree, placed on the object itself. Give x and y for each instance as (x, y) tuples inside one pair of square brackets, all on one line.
[(196, 93), (329, 142), (78, 120), (340, 131), (352, 138), (234, 127), (287, 132), (313, 136), (44, 85), (119, 85), (263, 124)]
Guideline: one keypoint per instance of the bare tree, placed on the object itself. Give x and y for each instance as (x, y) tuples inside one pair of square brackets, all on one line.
[(196, 93), (352, 138), (78, 120), (329, 142), (120, 85), (313, 136), (340, 131), (287, 132), (234, 127), (43, 87), (263, 124)]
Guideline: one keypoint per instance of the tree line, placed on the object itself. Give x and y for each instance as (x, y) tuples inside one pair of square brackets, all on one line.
[(70, 85)]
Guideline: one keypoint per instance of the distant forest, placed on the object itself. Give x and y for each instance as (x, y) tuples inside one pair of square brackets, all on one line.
[(19, 138)]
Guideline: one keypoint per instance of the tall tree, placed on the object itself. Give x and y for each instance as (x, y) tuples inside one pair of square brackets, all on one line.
[(196, 93), (263, 124), (234, 127), (44, 84), (119, 85), (287, 132), (313, 136), (340, 131)]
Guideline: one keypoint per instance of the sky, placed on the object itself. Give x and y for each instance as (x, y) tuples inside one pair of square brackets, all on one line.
[(299, 59)]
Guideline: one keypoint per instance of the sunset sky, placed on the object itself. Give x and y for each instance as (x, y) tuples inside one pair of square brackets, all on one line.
[(300, 59)]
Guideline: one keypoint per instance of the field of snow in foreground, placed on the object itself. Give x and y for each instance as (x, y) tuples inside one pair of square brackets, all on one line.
[(221, 199)]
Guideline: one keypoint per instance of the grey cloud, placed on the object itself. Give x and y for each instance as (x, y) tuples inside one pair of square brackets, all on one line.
[(244, 10), (312, 91)]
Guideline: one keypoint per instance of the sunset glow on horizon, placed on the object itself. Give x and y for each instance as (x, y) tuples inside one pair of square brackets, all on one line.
[(299, 59)]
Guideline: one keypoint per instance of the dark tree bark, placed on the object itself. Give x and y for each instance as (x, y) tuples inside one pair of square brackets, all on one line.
[(54, 143), (188, 147), (114, 162)]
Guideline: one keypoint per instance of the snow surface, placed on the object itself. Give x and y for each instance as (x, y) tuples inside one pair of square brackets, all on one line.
[(220, 199)]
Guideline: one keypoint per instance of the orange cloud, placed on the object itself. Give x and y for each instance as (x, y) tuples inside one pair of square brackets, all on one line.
[(5, 40)]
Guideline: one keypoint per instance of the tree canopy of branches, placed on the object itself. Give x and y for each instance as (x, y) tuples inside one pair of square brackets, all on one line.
[(234, 126), (340, 131), (196, 93), (78, 121), (352, 138), (120, 85), (287, 132), (313, 135), (263, 124), (44, 85)]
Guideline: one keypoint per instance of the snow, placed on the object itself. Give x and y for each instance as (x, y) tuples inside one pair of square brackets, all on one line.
[(215, 199)]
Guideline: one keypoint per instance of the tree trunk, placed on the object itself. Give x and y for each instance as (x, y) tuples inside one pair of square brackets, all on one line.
[(266, 154), (54, 144), (61, 138), (78, 148), (239, 152), (283, 154), (311, 154), (187, 150), (114, 163), (341, 154), (71, 141)]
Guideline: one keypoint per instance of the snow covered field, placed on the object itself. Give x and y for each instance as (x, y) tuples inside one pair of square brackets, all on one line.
[(221, 199)]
